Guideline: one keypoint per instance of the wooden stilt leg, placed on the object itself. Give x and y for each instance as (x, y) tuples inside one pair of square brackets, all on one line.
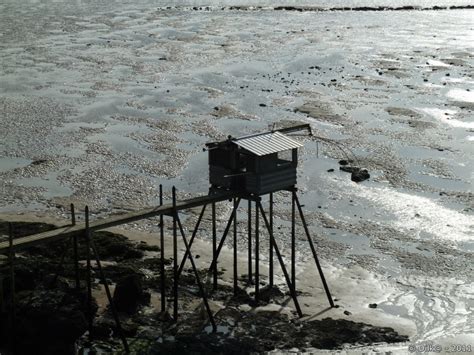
[(270, 257), (221, 243), (249, 219), (175, 259), (90, 316), (280, 259), (214, 247), (162, 257)]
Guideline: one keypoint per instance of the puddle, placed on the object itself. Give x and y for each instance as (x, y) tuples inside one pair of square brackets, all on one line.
[(461, 95), (7, 163), (445, 116)]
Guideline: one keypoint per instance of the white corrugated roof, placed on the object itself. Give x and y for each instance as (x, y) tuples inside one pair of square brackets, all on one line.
[(268, 143)]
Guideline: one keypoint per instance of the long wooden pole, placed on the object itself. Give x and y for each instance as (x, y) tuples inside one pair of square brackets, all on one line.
[(214, 247), (175, 258), (270, 257), (75, 250), (249, 227), (162, 257), (11, 257), (235, 247), (88, 274), (313, 250)]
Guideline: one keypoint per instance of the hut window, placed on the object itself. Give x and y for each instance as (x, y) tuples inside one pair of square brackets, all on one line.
[(285, 155)]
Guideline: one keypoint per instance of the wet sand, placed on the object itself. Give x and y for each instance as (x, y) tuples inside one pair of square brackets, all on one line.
[(99, 106)]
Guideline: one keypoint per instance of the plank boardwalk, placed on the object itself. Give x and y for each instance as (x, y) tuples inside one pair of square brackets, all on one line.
[(67, 231)]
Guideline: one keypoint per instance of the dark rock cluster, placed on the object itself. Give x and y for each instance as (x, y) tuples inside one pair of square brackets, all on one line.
[(52, 316)]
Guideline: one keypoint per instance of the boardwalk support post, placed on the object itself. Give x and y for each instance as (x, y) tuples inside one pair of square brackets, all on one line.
[(270, 257), (88, 274), (75, 250), (293, 239), (234, 211), (257, 252), (109, 298), (12, 313), (214, 247), (162, 257), (226, 231), (249, 221), (175, 258)]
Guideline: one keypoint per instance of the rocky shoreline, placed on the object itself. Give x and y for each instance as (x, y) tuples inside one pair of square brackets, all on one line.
[(322, 9), (51, 314)]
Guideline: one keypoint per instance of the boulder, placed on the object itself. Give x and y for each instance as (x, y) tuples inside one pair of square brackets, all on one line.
[(129, 295)]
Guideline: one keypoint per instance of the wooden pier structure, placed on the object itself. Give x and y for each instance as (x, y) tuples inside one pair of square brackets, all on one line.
[(245, 168)]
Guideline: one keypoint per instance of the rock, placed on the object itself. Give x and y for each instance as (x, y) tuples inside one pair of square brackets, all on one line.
[(268, 294), (50, 320), (330, 170), (373, 305), (361, 175), (38, 162), (128, 294), (344, 162), (349, 169), (347, 313), (262, 105)]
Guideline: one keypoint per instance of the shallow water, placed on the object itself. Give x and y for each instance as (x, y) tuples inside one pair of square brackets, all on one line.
[(119, 99)]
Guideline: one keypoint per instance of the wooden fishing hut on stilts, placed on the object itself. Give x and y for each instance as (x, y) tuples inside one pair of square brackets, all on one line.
[(246, 168)]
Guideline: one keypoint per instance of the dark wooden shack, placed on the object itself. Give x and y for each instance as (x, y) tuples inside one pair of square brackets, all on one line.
[(257, 164)]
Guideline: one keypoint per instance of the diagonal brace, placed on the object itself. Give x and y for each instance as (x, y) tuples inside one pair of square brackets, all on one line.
[(313, 250), (196, 274), (183, 262), (280, 259), (226, 231)]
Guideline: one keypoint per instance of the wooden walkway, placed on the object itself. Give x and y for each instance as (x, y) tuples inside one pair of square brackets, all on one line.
[(65, 232)]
